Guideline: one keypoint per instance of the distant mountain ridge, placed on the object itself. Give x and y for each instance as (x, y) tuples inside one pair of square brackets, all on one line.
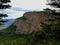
[(7, 24)]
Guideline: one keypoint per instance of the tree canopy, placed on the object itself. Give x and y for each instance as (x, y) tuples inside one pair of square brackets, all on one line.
[(3, 5), (54, 3)]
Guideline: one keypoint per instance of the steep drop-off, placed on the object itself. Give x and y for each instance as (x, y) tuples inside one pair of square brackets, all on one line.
[(31, 22)]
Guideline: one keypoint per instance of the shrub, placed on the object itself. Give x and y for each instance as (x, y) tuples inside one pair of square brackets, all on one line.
[(22, 18)]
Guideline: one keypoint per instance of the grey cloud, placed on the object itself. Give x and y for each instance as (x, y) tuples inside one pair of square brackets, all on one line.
[(19, 9)]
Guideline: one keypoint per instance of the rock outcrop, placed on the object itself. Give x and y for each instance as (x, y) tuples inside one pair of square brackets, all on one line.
[(31, 22)]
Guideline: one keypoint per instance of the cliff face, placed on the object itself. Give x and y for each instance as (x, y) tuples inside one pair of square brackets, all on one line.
[(32, 22)]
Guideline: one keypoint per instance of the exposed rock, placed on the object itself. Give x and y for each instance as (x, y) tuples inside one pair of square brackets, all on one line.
[(33, 22)]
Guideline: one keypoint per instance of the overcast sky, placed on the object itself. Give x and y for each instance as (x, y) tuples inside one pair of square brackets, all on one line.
[(19, 7)]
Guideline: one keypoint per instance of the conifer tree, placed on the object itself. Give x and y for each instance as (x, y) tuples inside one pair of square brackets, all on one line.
[(3, 5), (54, 4)]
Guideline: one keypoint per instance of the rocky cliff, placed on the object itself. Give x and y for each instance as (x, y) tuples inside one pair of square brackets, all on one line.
[(31, 22)]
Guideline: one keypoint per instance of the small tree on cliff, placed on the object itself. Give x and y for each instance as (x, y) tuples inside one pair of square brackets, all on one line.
[(3, 5)]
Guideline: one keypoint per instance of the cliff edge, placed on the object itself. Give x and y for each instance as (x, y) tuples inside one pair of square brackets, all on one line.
[(31, 22)]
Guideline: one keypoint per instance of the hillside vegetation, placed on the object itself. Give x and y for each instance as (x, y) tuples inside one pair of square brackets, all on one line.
[(50, 34)]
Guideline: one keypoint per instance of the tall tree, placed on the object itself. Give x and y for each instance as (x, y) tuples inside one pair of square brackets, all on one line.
[(55, 4), (3, 5)]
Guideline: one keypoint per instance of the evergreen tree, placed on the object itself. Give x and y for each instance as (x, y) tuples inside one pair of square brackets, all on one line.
[(55, 4), (3, 5)]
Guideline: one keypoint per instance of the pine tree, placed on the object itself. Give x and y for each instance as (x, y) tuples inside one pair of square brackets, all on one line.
[(4, 5), (55, 4)]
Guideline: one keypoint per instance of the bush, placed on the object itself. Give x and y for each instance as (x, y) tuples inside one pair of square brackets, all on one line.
[(22, 18)]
